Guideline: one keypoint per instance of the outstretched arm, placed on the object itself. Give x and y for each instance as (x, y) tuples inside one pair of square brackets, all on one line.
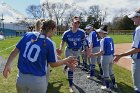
[(70, 61), (59, 50), (97, 54), (130, 52), (61, 45), (11, 58)]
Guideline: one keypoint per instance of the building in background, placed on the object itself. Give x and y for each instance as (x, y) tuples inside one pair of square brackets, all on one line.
[(9, 21)]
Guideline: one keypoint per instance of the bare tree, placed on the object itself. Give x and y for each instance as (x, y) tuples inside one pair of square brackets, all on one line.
[(35, 11), (122, 12), (47, 8), (59, 10), (98, 14), (69, 15), (56, 9)]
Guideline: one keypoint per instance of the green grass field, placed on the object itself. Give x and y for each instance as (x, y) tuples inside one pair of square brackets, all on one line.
[(58, 82)]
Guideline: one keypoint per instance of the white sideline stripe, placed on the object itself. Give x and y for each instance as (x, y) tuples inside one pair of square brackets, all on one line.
[(7, 48)]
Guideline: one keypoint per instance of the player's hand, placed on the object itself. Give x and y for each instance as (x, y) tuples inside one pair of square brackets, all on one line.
[(83, 52), (88, 50), (6, 71), (71, 62), (91, 55), (59, 57), (116, 58), (59, 51)]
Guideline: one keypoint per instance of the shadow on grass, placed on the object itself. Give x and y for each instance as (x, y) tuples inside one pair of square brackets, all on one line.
[(55, 89), (124, 88)]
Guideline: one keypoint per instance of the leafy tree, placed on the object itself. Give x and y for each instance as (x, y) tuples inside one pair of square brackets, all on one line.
[(122, 23)]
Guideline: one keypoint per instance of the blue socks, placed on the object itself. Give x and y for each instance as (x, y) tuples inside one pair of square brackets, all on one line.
[(113, 79), (106, 81), (137, 91), (101, 70), (92, 69), (70, 78), (78, 60)]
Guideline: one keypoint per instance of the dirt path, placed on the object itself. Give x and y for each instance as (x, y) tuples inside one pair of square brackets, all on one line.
[(125, 61)]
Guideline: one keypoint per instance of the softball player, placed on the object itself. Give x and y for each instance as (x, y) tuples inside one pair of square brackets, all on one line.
[(35, 52), (73, 38), (95, 46), (38, 29), (86, 60), (134, 52), (107, 52)]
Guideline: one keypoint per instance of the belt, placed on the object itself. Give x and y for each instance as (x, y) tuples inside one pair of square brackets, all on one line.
[(74, 49)]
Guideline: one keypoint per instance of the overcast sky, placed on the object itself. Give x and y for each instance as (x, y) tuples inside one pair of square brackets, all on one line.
[(21, 5), (113, 6)]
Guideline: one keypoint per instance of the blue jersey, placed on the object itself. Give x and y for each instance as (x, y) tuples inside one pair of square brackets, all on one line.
[(85, 44), (74, 40), (94, 39), (107, 45), (33, 56), (136, 42)]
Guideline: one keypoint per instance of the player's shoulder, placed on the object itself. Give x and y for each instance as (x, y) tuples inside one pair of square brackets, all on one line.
[(108, 38), (50, 41), (32, 33), (82, 30), (93, 32), (138, 28), (67, 31)]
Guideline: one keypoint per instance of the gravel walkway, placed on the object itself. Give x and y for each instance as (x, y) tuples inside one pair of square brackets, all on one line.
[(84, 85)]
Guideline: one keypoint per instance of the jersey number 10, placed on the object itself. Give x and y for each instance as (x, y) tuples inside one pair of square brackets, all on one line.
[(30, 50)]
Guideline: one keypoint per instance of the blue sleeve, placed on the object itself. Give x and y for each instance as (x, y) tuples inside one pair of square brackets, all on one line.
[(84, 35), (52, 56), (93, 38), (20, 43), (64, 37)]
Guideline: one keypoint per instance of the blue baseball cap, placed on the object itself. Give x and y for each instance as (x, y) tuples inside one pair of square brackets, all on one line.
[(88, 27)]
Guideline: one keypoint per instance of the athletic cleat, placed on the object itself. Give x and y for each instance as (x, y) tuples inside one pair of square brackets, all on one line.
[(102, 76), (90, 77), (105, 88), (115, 86), (71, 90)]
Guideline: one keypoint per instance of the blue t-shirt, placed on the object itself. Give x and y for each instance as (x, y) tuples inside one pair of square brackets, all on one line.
[(107, 45), (74, 40), (94, 39), (136, 42), (34, 56)]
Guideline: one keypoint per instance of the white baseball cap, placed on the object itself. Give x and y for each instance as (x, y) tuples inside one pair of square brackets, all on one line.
[(134, 14), (102, 29)]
